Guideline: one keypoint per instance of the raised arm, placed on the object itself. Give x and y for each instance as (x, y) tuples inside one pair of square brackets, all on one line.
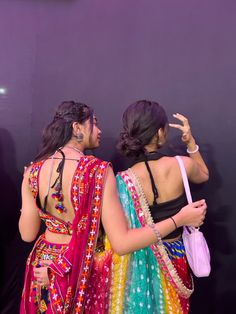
[(29, 223), (125, 240), (196, 168)]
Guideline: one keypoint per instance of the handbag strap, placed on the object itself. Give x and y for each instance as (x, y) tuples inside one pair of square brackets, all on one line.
[(185, 179)]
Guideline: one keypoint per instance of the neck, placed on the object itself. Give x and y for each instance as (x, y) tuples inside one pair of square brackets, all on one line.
[(75, 146), (151, 148)]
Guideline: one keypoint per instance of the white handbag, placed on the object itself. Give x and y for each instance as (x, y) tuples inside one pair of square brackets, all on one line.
[(197, 251)]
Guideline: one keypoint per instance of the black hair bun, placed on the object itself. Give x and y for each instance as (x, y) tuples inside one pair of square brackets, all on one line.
[(130, 146)]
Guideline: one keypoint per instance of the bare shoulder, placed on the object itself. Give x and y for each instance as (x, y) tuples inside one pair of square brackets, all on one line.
[(188, 163), (162, 166), (110, 178), (195, 172)]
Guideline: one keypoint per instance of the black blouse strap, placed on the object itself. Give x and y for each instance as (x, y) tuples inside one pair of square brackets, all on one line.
[(154, 189), (59, 170)]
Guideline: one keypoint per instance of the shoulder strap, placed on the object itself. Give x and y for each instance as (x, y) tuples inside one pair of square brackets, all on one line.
[(154, 189), (49, 184), (185, 179)]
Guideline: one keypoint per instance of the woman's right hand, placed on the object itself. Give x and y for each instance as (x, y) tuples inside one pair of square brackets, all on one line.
[(41, 273), (192, 214)]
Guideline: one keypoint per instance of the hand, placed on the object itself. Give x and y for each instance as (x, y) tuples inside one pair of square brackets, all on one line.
[(184, 128), (192, 214), (41, 273)]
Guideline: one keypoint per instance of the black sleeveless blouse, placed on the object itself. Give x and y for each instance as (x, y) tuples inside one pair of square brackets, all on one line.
[(167, 209)]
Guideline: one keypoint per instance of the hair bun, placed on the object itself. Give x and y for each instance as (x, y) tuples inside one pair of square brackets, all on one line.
[(130, 146)]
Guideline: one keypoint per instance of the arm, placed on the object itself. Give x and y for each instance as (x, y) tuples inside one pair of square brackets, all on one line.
[(125, 240), (29, 223), (196, 168)]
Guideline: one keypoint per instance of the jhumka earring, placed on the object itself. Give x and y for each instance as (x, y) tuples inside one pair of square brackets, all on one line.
[(79, 136)]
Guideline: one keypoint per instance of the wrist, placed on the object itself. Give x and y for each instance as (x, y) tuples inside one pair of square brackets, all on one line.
[(191, 144), (178, 219), (174, 222), (193, 151)]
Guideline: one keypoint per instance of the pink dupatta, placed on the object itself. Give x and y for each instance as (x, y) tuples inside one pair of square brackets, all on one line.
[(76, 261)]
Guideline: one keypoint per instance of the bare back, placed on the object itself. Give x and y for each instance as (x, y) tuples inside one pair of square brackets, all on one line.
[(49, 169), (167, 178)]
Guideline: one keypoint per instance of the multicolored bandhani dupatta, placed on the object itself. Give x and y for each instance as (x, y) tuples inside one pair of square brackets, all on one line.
[(72, 272), (152, 280)]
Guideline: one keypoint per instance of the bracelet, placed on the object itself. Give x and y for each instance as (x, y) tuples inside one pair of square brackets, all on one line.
[(156, 232), (176, 227), (193, 151)]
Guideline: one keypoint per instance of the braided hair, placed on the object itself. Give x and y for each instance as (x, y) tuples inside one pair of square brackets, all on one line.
[(57, 133)]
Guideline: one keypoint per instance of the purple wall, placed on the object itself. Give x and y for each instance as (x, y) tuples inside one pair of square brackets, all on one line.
[(109, 53)]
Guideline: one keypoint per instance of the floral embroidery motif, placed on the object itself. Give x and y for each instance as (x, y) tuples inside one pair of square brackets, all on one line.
[(89, 175)]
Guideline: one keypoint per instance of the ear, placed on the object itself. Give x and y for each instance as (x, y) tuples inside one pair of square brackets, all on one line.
[(76, 127), (161, 133)]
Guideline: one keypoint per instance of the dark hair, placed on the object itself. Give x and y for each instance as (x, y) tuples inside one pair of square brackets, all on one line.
[(59, 131), (141, 121)]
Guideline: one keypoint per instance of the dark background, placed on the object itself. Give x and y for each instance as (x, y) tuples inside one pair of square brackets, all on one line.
[(108, 54)]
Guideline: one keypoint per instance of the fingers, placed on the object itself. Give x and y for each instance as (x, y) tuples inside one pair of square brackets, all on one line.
[(41, 275), (200, 203), (176, 126), (203, 206), (45, 262), (180, 117), (184, 126)]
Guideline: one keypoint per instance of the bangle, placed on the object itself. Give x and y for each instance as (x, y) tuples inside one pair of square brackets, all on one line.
[(176, 227), (156, 232), (193, 151)]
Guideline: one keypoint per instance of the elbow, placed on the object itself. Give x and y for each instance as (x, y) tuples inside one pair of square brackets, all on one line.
[(27, 238), (121, 249), (120, 252), (206, 177), (26, 235)]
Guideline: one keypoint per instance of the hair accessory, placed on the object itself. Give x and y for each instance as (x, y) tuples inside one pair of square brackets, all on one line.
[(58, 116), (176, 227), (156, 232), (193, 151)]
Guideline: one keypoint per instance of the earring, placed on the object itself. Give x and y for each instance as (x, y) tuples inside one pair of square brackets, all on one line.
[(79, 136)]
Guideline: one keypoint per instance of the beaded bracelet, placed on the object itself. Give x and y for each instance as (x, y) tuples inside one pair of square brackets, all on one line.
[(193, 151), (176, 227), (156, 232)]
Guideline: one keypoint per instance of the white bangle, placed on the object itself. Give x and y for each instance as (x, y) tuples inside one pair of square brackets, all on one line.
[(193, 151)]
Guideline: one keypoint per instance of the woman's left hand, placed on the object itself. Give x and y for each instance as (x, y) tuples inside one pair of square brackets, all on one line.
[(184, 127), (41, 273)]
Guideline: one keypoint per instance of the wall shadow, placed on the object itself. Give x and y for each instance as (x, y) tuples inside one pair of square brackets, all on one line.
[(208, 291), (12, 250)]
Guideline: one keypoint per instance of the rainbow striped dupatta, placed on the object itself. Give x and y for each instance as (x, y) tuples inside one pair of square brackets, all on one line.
[(152, 280)]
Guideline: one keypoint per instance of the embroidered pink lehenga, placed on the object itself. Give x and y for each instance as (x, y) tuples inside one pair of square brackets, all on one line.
[(73, 267)]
